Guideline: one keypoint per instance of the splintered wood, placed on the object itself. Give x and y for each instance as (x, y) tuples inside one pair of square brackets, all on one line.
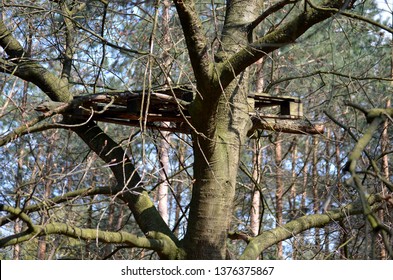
[(154, 109)]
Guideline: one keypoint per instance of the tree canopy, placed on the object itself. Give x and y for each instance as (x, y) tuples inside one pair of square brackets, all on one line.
[(194, 129)]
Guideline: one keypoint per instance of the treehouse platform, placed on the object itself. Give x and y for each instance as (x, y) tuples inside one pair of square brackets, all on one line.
[(167, 109)]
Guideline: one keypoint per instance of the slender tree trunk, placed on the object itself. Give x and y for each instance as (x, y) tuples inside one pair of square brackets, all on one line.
[(279, 190), (385, 168), (257, 160), (180, 188), (315, 191), (292, 197), (162, 196), (256, 194), (19, 183), (303, 198), (343, 232), (41, 251), (17, 248), (328, 188), (163, 150), (260, 83)]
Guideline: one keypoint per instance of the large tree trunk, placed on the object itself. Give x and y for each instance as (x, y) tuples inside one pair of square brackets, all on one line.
[(216, 160), (222, 127)]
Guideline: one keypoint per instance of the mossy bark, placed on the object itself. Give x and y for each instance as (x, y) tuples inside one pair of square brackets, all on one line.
[(222, 121)]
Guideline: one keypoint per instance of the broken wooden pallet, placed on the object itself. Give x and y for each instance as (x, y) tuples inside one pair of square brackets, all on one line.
[(155, 108)]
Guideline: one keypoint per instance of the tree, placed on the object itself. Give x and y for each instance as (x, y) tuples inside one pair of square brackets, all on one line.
[(82, 51)]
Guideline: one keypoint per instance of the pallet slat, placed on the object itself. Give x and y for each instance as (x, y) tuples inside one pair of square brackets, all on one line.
[(159, 106)]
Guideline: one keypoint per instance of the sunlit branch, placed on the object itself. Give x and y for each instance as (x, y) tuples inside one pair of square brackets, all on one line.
[(375, 117), (291, 229), (75, 232), (28, 128)]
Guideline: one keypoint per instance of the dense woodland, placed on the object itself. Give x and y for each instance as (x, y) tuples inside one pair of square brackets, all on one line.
[(84, 188)]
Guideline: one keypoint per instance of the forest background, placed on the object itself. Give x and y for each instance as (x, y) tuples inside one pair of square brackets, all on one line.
[(76, 187)]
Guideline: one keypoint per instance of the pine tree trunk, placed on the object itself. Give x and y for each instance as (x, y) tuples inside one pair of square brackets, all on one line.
[(163, 149), (162, 196), (343, 234), (385, 169), (292, 197), (315, 191), (255, 218), (328, 189), (279, 190)]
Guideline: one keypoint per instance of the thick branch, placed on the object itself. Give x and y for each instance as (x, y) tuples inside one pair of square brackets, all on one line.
[(286, 126), (272, 9), (129, 188), (352, 15), (195, 40), (34, 124), (271, 237), (159, 243), (284, 35), (85, 234), (29, 70)]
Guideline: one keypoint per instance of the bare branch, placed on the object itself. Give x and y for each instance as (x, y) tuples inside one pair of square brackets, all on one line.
[(48, 203)]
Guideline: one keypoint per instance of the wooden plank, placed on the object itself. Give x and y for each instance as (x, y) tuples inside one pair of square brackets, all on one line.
[(291, 108), (288, 126), (172, 106)]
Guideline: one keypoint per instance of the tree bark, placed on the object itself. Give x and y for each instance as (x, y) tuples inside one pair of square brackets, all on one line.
[(385, 167), (221, 125), (255, 219), (219, 115), (162, 196), (279, 191), (315, 191)]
